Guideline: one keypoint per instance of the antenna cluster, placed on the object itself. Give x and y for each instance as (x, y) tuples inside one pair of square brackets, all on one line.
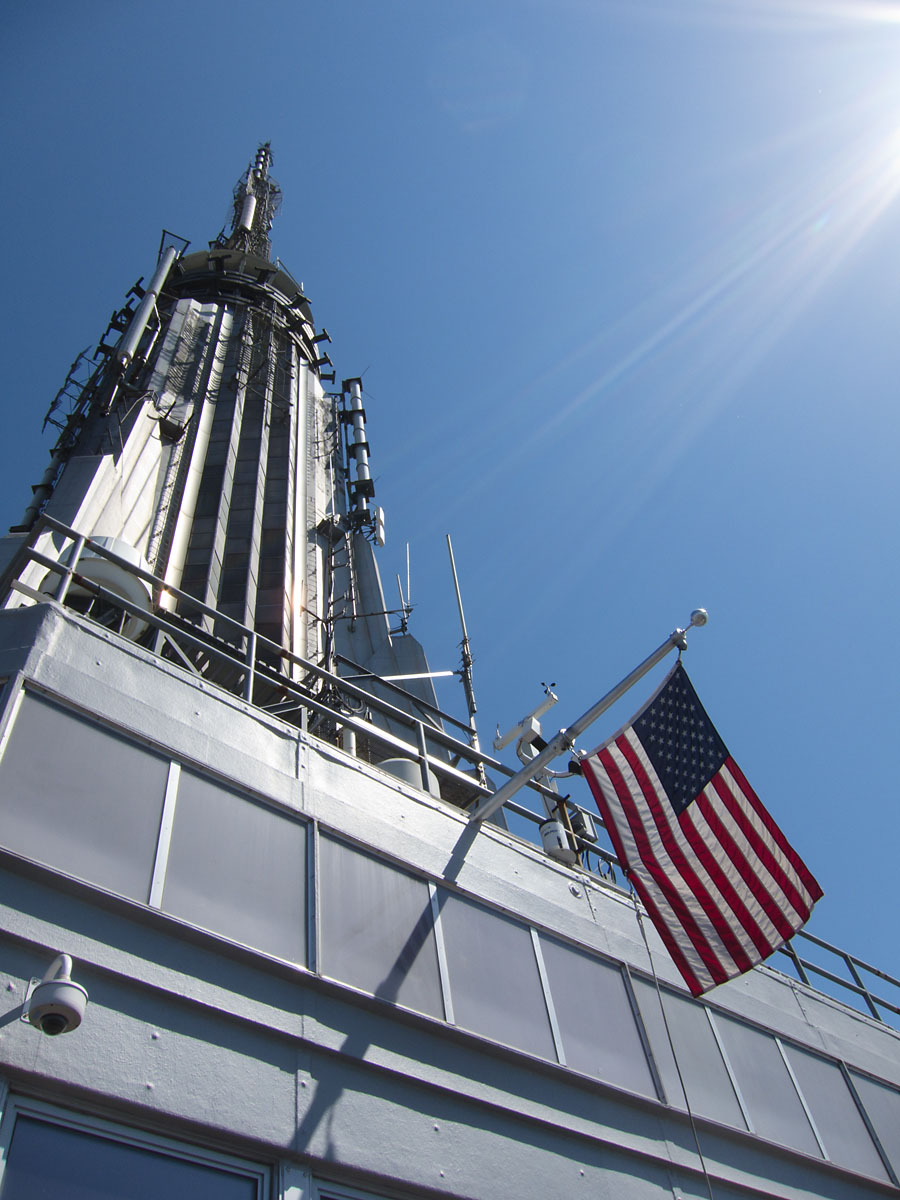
[(256, 200)]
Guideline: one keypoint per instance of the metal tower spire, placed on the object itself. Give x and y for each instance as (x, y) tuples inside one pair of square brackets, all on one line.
[(205, 451), (257, 198)]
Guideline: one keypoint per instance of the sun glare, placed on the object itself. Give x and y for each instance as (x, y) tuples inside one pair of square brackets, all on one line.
[(822, 187)]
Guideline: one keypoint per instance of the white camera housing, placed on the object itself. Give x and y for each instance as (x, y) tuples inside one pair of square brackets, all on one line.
[(555, 842), (56, 1005)]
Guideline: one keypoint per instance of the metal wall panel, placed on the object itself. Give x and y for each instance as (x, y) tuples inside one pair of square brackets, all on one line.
[(706, 1079), (237, 868), (494, 977), (882, 1105), (80, 798), (832, 1107), (375, 928), (595, 1018), (767, 1089)]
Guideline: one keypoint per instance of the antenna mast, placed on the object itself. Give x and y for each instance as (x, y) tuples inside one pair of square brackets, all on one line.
[(405, 606), (256, 200), (466, 669)]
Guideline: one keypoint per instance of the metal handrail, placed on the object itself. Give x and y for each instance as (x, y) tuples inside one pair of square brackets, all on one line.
[(856, 986), (252, 662)]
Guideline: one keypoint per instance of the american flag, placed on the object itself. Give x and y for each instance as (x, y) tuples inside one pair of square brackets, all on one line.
[(716, 875)]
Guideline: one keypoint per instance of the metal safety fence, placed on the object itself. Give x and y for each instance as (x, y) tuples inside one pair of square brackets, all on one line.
[(367, 715)]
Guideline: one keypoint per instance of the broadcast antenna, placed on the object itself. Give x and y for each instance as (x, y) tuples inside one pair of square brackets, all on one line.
[(466, 669), (405, 606)]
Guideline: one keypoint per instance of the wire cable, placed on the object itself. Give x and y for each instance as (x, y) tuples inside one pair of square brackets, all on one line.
[(640, 920)]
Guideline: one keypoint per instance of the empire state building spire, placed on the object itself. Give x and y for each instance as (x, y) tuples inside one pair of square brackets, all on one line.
[(210, 449), (204, 442)]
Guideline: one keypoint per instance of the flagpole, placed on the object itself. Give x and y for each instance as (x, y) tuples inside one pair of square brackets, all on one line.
[(565, 739)]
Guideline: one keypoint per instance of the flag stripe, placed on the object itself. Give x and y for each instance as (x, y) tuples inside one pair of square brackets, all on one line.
[(602, 779), (804, 876), (657, 863), (751, 854), (751, 903), (757, 832), (747, 917), (718, 878), (693, 879), (796, 896)]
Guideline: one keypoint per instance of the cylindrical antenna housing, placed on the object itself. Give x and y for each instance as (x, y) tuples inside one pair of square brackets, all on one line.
[(248, 212), (358, 447), (132, 336)]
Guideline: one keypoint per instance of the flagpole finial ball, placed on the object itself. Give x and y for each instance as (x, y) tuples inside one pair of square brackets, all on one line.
[(699, 617)]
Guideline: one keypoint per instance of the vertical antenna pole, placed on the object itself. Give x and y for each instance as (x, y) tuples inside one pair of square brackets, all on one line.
[(404, 608), (466, 672)]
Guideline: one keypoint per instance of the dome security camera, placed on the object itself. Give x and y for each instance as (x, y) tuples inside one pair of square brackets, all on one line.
[(57, 1004)]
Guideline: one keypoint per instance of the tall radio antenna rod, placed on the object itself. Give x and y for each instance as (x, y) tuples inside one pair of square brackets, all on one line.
[(466, 671)]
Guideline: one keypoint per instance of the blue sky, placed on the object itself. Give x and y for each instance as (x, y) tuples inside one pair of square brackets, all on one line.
[(622, 282)]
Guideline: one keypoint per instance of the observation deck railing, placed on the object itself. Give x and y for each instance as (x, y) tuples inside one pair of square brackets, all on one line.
[(206, 643)]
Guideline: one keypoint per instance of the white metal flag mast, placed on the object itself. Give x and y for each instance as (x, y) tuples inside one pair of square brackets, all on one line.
[(565, 739)]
